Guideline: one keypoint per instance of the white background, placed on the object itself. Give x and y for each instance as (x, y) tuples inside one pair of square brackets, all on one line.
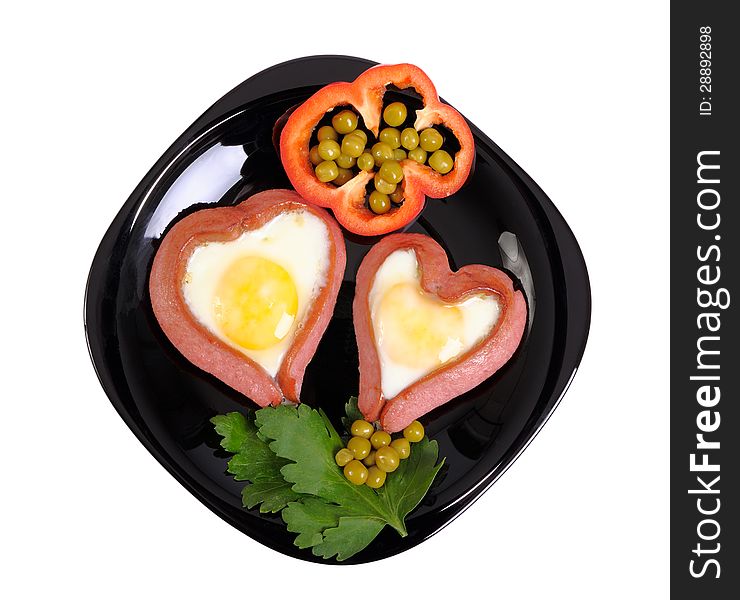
[(575, 92)]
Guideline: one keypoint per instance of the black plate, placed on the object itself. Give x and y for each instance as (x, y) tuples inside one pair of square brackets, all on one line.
[(500, 218)]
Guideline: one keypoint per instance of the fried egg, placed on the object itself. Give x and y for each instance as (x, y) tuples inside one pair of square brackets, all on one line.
[(253, 292), (415, 331)]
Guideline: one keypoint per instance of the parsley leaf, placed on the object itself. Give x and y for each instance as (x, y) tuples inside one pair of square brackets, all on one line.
[(233, 428), (349, 537), (307, 438), (352, 412), (253, 461), (309, 518), (287, 453), (406, 487), (272, 496)]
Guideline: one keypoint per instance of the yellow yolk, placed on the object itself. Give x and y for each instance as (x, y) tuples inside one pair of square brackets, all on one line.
[(418, 329), (255, 302), (416, 332), (262, 284)]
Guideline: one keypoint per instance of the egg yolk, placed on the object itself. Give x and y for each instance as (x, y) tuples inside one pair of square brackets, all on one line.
[(417, 329), (255, 303)]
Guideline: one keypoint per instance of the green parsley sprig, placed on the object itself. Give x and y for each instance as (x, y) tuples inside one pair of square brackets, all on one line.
[(286, 456)]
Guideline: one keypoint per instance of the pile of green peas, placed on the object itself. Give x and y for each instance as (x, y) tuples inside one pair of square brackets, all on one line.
[(337, 161), (370, 455)]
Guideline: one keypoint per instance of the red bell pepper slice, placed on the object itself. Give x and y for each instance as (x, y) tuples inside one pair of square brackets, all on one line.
[(365, 95)]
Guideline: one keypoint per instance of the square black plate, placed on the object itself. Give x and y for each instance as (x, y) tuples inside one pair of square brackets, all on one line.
[(500, 218)]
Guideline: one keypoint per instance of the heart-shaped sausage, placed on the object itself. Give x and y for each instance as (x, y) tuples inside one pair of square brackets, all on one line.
[(450, 289), (199, 344), (365, 95)]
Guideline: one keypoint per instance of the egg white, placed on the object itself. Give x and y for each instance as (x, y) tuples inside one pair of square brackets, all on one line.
[(298, 241), (480, 313)]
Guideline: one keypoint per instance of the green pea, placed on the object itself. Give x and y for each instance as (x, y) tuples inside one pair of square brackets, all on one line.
[(344, 121), (329, 150), (345, 162), (399, 154), (391, 171), (402, 446), (381, 152), (375, 478), (362, 134), (431, 139), (383, 186), (387, 459), (369, 460), (379, 203), (343, 457), (327, 133), (391, 136), (355, 472), (419, 155), (366, 161), (380, 439), (409, 138), (344, 176), (359, 446), (313, 156), (327, 171), (362, 428), (397, 196), (395, 114), (414, 432), (352, 145), (441, 162)]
